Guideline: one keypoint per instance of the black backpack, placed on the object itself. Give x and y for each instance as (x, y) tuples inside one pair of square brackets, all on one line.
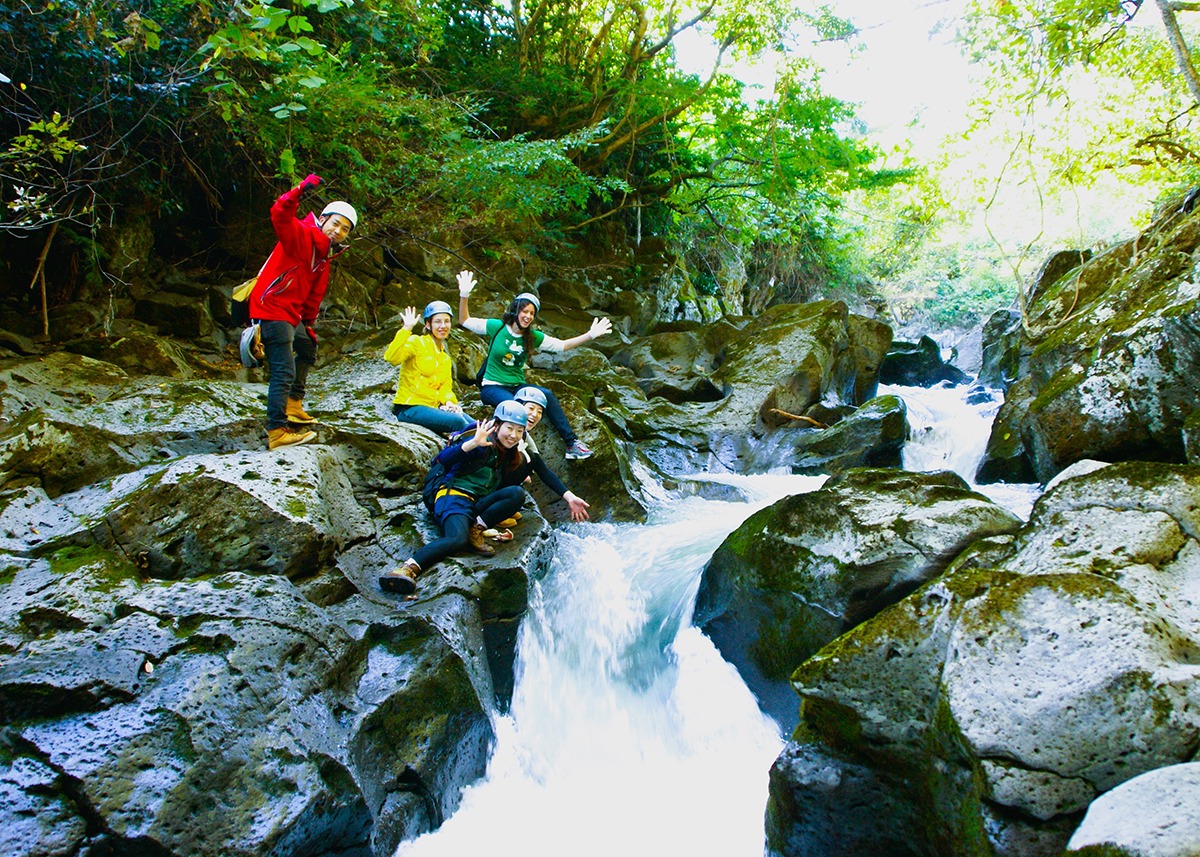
[(437, 469)]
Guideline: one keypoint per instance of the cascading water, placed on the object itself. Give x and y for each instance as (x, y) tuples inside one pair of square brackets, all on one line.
[(951, 433), (628, 733)]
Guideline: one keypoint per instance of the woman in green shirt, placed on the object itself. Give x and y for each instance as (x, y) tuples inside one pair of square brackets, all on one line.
[(511, 341)]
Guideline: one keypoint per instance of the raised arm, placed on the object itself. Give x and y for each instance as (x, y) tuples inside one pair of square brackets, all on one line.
[(600, 326), (401, 346), (466, 282)]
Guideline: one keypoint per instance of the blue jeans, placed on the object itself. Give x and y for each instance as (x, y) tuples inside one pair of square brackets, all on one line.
[(455, 515), (290, 354), (494, 394), (434, 419)]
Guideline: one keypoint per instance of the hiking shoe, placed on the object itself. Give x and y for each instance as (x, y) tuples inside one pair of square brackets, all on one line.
[(402, 580), (295, 413), (475, 537), (285, 436), (577, 451)]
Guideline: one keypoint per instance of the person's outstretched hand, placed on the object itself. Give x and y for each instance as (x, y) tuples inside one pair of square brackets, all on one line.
[(466, 282), (578, 506), (410, 317), (600, 326), (483, 432)]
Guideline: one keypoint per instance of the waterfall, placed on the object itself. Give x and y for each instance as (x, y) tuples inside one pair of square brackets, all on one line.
[(628, 732), (950, 432)]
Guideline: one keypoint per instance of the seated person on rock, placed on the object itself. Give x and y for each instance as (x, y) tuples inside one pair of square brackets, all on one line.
[(511, 342), (425, 389), (285, 300), (471, 496), (533, 399)]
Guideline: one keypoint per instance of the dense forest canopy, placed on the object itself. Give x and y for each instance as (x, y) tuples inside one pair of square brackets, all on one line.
[(543, 122)]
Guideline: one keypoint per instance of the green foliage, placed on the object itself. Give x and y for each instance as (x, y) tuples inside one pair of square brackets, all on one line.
[(534, 120)]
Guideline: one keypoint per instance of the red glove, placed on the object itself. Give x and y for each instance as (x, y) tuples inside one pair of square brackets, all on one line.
[(310, 181), (312, 334)]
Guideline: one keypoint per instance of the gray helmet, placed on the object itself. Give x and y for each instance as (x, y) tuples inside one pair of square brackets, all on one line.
[(531, 297), (251, 347), (435, 307), (530, 394), (510, 411)]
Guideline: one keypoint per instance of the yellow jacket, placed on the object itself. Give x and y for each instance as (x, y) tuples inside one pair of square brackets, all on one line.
[(426, 376)]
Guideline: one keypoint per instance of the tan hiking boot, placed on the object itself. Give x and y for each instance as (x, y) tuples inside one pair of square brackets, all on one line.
[(295, 413), (403, 580), (475, 537), (285, 436)]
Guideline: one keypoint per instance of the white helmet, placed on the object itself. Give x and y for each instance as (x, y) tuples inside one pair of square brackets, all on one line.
[(345, 209)]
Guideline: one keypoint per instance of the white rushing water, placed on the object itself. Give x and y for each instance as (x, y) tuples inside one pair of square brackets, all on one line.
[(628, 733), (950, 434)]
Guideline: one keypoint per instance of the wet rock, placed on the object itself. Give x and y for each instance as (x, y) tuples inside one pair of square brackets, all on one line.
[(823, 805), (1038, 672), (918, 364), (239, 712), (872, 436), (797, 574), (1002, 357), (1006, 458), (1110, 352)]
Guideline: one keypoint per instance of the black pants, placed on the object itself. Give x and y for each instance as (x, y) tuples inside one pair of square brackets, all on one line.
[(455, 515)]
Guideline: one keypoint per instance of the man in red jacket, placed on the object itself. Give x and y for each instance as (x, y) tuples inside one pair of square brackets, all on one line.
[(285, 301)]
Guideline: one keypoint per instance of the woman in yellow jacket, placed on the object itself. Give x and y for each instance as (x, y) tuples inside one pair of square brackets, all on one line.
[(425, 392)]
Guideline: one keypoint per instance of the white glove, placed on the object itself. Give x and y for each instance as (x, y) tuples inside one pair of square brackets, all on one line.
[(466, 282), (600, 326)]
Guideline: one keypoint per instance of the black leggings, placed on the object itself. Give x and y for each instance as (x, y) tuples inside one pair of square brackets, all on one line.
[(456, 522)]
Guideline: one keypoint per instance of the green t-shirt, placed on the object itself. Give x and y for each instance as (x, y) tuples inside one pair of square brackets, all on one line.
[(506, 358)]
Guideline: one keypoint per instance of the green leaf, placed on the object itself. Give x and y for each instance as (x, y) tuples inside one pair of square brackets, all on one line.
[(311, 81)]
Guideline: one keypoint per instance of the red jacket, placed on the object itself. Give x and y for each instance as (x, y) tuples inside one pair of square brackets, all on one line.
[(293, 280)]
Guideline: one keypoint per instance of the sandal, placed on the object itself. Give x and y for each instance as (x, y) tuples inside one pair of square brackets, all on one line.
[(498, 535), (403, 580)]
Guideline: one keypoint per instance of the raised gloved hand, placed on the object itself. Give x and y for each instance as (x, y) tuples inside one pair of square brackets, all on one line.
[(410, 317), (600, 326), (312, 334), (310, 181), (466, 282)]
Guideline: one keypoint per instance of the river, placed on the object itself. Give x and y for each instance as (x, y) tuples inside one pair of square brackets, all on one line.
[(628, 733)]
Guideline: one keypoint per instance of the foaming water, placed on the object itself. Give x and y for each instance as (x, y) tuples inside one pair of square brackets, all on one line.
[(949, 433), (628, 733)]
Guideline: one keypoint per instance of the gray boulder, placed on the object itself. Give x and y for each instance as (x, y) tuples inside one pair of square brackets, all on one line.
[(1156, 814), (1041, 670), (812, 566), (1112, 351)]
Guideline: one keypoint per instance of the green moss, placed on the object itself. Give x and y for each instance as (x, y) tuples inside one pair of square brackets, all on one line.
[(106, 569), (296, 507), (1107, 849), (834, 724)]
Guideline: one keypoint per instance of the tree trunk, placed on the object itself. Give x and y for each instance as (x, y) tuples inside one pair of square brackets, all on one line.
[(1178, 47)]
